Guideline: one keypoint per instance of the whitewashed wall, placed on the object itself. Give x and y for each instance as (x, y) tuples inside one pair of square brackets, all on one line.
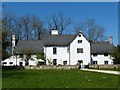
[(101, 58), (85, 56), (16, 61), (62, 54)]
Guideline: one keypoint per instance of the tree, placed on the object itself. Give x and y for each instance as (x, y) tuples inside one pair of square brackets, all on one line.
[(27, 52), (26, 23), (116, 55), (38, 27), (58, 22), (5, 45), (91, 30)]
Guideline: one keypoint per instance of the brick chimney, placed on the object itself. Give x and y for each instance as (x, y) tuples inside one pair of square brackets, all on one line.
[(110, 39), (13, 43), (54, 32)]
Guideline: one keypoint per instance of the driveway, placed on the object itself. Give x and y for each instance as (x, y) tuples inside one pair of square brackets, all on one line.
[(103, 71)]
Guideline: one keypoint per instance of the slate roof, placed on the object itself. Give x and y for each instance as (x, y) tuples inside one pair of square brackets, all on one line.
[(58, 40), (101, 47), (35, 46)]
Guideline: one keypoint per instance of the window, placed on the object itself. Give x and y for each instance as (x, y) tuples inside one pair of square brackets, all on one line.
[(80, 61), (10, 62), (54, 50), (21, 63), (94, 62), (79, 50), (95, 54), (21, 55), (79, 35), (105, 62), (64, 62), (26, 63), (54, 61), (105, 54), (4, 62), (79, 41)]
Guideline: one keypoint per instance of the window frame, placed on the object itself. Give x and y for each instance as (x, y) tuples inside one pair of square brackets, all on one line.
[(105, 62), (10, 62), (80, 50), (4, 63), (55, 63), (96, 62), (79, 41), (106, 54), (54, 50), (95, 54)]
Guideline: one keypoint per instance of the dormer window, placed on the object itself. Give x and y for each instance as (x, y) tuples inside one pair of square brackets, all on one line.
[(95, 54), (105, 54), (79, 41)]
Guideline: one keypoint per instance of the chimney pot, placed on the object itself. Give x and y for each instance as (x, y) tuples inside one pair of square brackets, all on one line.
[(110, 39)]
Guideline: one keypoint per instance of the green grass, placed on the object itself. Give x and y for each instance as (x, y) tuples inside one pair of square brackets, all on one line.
[(58, 79)]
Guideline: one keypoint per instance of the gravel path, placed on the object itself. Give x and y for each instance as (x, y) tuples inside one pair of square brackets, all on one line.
[(103, 71)]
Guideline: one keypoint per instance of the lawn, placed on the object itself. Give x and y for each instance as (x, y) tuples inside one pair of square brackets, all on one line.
[(57, 79)]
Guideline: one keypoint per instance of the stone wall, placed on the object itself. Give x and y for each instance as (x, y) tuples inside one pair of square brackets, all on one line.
[(52, 67), (105, 66)]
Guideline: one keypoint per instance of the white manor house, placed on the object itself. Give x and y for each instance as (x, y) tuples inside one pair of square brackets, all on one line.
[(66, 49)]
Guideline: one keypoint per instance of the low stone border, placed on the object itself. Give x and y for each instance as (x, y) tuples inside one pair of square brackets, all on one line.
[(52, 67)]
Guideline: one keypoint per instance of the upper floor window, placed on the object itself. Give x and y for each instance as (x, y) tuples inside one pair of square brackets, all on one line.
[(95, 54), (105, 54), (79, 41), (54, 50), (79, 50)]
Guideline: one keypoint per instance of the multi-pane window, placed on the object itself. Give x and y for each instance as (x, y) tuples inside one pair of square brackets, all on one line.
[(54, 50), (94, 62), (105, 62), (79, 41), (54, 61), (79, 50)]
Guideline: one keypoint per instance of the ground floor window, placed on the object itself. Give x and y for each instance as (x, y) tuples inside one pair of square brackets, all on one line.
[(10, 62), (105, 62), (4, 62), (64, 62), (80, 61), (94, 62), (54, 61), (26, 63), (21, 63)]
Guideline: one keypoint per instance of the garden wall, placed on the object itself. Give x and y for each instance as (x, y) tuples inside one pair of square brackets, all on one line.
[(52, 67), (105, 66)]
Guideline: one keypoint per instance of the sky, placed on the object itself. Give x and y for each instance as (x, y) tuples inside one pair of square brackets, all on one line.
[(104, 13)]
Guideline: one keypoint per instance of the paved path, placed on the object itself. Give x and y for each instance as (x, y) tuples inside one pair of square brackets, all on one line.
[(103, 71)]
